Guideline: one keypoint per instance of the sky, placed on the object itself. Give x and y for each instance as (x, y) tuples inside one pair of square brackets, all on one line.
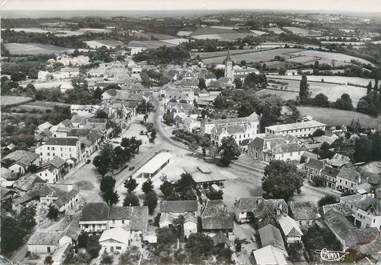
[(329, 5)]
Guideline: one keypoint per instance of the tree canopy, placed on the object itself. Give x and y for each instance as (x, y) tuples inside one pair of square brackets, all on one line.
[(281, 180)]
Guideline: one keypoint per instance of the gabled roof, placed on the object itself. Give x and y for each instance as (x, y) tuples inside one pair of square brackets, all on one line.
[(315, 164), (179, 206), (351, 235), (289, 226), (22, 157), (248, 204), (118, 234), (65, 197), (270, 235), (56, 162), (349, 174), (330, 171), (26, 182), (269, 255)]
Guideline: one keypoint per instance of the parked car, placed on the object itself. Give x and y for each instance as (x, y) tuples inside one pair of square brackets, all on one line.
[(88, 161), (131, 168)]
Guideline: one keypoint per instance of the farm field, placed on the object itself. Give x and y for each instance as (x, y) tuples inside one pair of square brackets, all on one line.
[(331, 79), (286, 95), (303, 32), (34, 48), (332, 91), (255, 56), (224, 36), (13, 100), (175, 41), (340, 117), (149, 44), (275, 30), (327, 57), (30, 30), (99, 43)]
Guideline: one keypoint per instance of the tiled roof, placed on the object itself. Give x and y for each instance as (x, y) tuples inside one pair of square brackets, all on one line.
[(349, 174), (314, 163), (27, 182), (95, 211), (216, 216), (57, 162), (289, 226), (62, 141), (295, 126), (178, 206), (346, 231), (248, 204), (305, 210), (65, 197), (21, 156), (270, 235), (330, 171), (44, 238)]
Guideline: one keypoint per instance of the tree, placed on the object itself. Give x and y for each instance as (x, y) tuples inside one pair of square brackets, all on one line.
[(362, 150), (147, 186), (324, 151), (238, 83), (303, 89), (328, 199), (344, 102), (110, 197), (166, 237), (130, 184), (103, 161), (369, 87), (52, 213), (167, 188), (93, 247), (201, 84), (281, 180), (48, 260), (153, 135), (150, 200), (107, 184), (229, 150), (318, 132), (185, 183), (131, 200), (12, 234), (26, 217), (199, 245), (321, 100)]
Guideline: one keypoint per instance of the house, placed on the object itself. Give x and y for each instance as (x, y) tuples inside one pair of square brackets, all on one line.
[(84, 110), (242, 133), (115, 239), (339, 160), (269, 211), (171, 210), (291, 229), (313, 168), (52, 170), (306, 213), (98, 217), (205, 178), (271, 236), (42, 127), (26, 183), (348, 235), (73, 61), (19, 161), (330, 176), (46, 242), (298, 129), (64, 148), (282, 147), (215, 218), (244, 208), (348, 179), (251, 121), (153, 166), (269, 255), (365, 209)]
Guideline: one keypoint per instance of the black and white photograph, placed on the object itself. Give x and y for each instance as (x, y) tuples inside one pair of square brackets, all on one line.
[(204, 132)]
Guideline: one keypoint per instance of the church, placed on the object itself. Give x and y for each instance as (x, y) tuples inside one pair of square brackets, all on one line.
[(234, 71)]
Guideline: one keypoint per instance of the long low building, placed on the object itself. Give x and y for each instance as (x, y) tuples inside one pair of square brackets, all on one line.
[(153, 166), (298, 129)]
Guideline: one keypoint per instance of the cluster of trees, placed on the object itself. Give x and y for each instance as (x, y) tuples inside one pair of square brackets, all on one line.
[(371, 103), (368, 148), (229, 150), (163, 55), (154, 77), (111, 158), (15, 229), (101, 54), (180, 190), (193, 140), (109, 195), (252, 81), (10, 36), (21, 70), (245, 102), (281, 180)]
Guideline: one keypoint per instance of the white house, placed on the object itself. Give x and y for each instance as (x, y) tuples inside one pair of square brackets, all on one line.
[(290, 229), (279, 147), (65, 148), (348, 179), (298, 129), (269, 255), (53, 170), (20, 161), (115, 240)]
